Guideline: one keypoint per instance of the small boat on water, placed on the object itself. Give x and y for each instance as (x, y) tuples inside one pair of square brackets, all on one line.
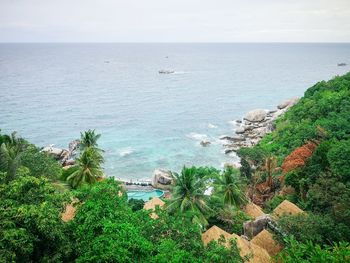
[(341, 64), (163, 71)]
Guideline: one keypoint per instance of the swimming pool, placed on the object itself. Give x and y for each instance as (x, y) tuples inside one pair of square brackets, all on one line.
[(144, 195)]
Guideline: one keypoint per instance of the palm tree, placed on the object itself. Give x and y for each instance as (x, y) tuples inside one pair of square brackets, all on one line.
[(228, 186), (270, 167), (11, 151), (89, 169), (89, 139), (188, 196)]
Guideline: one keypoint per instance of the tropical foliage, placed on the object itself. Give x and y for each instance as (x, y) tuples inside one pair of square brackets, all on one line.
[(188, 195), (89, 165), (228, 185), (314, 253), (312, 146), (305, 160), (88, 169), (11, 150), (88, 139)]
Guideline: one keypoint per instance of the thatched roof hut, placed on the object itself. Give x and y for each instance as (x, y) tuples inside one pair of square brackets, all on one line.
[(286, 208), (69, 213), (265, 240), (214, 233), (253, 210), (255, 253), (152, 204)]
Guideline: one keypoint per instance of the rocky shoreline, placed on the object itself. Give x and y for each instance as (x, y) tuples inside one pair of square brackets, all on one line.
[(247, 133), (254, 126), (66, 157)]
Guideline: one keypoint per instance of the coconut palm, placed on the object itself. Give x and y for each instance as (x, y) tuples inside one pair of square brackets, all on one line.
[(11, 151), (89, 169), (89, 139), (188, 195), (228, 186)]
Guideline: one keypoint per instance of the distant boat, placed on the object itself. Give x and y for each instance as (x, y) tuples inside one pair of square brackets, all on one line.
[(341, 64), (163, 71)]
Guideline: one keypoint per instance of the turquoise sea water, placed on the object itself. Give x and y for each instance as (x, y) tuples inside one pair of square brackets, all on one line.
[(144, 195), (51, 92)]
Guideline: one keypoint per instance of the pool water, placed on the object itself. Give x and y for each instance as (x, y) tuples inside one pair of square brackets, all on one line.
[(145, 195)]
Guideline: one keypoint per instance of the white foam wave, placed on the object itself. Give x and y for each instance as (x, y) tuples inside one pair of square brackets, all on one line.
[(125, 151), (197, 136), (212, 126)]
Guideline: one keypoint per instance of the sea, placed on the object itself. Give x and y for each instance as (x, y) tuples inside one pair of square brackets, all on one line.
[(51, 92)]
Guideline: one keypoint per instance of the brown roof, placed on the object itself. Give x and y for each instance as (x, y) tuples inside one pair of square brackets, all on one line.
[(151, 204), (214, 233), (255, 253), (69, 213), (286, 208), (265, 240), (253, 210)]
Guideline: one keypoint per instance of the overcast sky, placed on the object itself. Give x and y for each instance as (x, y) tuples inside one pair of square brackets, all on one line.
[(174, 21)]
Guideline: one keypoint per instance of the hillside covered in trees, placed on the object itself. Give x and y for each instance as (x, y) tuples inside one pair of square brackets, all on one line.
[(305, 160), (309, 151)]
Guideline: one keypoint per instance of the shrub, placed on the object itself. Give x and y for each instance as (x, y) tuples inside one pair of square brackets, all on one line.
[(314, 253), (320, 229)]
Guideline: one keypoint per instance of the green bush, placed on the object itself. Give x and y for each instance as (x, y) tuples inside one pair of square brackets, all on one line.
[(320, 229), (136, 204), (31, 229), (40, 163), (339, 159), (314, 253)]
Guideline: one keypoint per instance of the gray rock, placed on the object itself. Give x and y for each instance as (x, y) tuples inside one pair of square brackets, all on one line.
[(250, 127), (254, 227), (261, 131), (55, 152), (232, 138), (205, 143), (240, 130), (288, 103), (73, 145), (256, 115), (231, 149), (239, 121), (162, 179)]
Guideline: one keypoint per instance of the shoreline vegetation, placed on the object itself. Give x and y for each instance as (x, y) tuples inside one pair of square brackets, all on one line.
[(287, 201), (248, 132)]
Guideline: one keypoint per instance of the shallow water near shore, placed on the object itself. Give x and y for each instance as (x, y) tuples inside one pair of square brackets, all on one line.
[(51, 92)]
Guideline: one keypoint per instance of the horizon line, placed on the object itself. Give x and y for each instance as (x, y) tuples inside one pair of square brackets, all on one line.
[(161, 42)]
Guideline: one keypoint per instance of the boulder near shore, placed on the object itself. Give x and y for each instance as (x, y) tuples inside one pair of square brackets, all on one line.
[(254, 126), (162, 179)]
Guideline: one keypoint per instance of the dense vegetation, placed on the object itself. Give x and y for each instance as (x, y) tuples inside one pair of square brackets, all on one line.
[(308, 154), (311, 144), (105, 228)]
